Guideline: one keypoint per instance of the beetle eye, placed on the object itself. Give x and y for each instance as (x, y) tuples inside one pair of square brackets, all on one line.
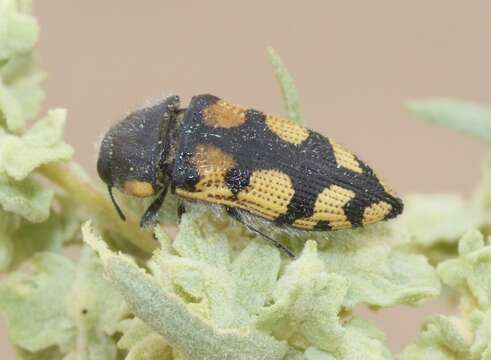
[(138, 188)]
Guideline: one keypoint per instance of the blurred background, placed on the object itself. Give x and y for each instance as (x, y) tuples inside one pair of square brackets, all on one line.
[(354, 64)]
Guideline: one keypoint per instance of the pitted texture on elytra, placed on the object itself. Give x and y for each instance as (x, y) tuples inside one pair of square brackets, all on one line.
[(329, 209), (268, 194), (345, 159), (376, 212), (295, 178), (224, 115), (287, 130)]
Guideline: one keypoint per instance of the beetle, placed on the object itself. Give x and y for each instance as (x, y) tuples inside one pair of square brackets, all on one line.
[(255, 165)]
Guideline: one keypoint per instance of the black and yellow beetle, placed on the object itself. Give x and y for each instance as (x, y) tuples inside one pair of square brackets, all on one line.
[(256, 165)]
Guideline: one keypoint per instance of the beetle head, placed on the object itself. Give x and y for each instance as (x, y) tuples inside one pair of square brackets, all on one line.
[(132, 151)]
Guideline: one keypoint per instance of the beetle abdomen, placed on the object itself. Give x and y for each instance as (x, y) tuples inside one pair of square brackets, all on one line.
[(276, 169)]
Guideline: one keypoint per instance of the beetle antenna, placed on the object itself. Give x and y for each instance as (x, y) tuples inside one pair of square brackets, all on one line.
[(116, 206)]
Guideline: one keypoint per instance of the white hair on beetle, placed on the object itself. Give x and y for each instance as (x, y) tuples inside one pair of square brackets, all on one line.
[(152, 101)]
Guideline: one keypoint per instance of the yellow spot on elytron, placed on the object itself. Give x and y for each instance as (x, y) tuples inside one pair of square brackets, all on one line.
[(329, 207), (268, 194), (376, 212), (138, 188), (210, 160), (223, 115), (212, 164), (287, 130), (345, 159)]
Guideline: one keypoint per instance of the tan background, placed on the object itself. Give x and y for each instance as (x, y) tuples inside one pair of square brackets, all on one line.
[(354, 63)]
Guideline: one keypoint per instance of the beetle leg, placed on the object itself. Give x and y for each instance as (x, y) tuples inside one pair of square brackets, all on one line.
[(181, 209), (237, 216), (154, 208), (276, 243)]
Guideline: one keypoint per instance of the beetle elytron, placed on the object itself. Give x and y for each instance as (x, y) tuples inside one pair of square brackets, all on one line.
[(254, 164)]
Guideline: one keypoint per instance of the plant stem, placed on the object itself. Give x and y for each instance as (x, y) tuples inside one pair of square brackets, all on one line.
[(100, 209), (287, 86)]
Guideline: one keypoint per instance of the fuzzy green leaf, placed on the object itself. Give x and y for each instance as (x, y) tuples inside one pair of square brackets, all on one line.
[(64, 305), (440, 218), (229, 290), (436, 222), (20, 239), (153, 347), (442, 338), (233, 291), (451, 338), (255, 271), (96, 308), (468, 117), (20, 94), (32, 303), (231, 286), (287, 86), (11, 114), (312, 353), (52, 353), (192, 335), (378, 272), (19, 156), (307, 301), (43, 143), (470, 273), (481, 347), (18, 29), (142, 342), (25, 198), (197, 240), (305, 312)]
